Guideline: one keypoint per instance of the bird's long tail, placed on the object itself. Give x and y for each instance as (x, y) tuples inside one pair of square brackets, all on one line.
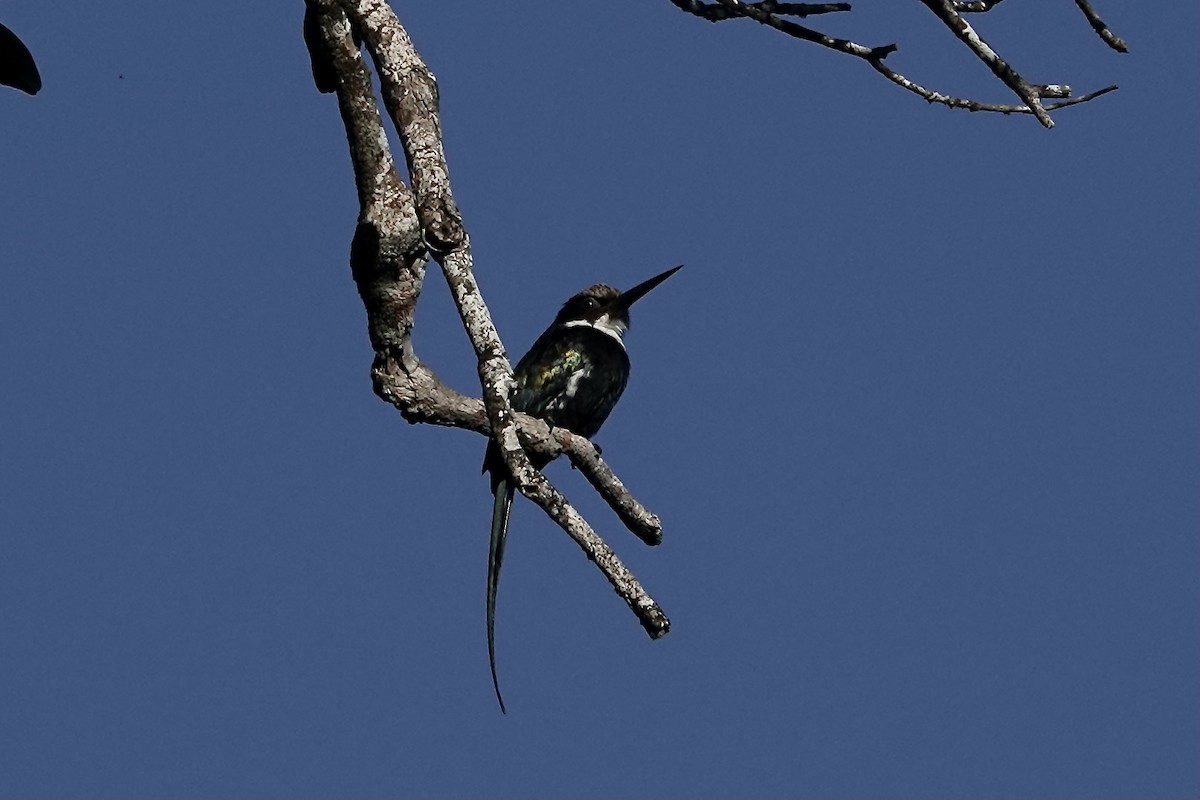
[(503, 490)]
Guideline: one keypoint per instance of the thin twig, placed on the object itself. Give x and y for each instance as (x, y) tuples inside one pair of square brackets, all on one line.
[(1100, 28), (944, 9), (714, 12), (1031, 93), (975, 105), (975, 6), (796, 30)]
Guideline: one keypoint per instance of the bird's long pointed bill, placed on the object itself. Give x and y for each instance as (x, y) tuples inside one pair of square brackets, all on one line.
[(626, 299)]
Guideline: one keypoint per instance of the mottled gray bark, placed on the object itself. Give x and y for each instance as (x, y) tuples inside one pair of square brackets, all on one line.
[(401, 226)]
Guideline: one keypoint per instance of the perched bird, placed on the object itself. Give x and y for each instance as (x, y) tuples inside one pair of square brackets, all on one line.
[(571, 377)]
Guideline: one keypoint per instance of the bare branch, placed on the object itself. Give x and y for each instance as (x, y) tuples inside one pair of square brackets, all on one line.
[(949, 11), (975, 6), (586, 456), (974, 105), (714, 12), (944, 9), (1046, 90), (796, 30), (397, 230), (1100, 28), (421, 397)]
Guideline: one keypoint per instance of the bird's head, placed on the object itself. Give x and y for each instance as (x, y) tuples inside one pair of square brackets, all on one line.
[(605, 308)]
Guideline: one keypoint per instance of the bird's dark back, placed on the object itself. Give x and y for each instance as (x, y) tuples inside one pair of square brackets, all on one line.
[(572, 377)]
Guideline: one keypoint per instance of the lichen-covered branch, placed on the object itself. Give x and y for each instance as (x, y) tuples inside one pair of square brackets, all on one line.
[(949, 12), (399, 228), (586, 457)]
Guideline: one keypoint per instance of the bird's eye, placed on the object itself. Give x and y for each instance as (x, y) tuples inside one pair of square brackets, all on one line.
[(590, 302)]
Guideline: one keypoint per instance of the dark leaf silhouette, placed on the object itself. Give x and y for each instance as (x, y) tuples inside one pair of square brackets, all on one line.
[(16, 64)]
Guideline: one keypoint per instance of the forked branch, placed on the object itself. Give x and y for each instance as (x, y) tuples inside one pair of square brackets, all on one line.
[(399, 227)]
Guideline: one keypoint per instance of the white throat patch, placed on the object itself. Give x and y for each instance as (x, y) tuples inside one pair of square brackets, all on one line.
[(607, 324)]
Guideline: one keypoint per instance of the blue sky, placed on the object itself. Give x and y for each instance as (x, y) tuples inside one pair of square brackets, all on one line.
[(919, 416)]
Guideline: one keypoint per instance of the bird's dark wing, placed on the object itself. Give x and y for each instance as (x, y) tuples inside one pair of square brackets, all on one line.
[(544, 373), (569, 380)]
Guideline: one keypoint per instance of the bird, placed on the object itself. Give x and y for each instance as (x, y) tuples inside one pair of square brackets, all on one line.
[(571, 378)]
